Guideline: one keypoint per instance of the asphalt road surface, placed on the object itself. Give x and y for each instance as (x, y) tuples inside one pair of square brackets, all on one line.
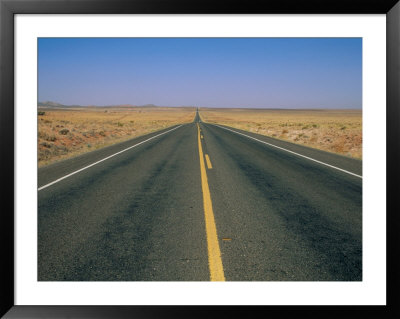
[(201, 202)]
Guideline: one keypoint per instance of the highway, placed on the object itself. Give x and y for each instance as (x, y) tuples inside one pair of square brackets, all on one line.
[(201, 202)]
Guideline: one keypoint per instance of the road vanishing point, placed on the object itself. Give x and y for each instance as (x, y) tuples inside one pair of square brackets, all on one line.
[(201, 202)]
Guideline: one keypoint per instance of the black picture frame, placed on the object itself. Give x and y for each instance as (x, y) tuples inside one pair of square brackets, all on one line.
[(8, 8)]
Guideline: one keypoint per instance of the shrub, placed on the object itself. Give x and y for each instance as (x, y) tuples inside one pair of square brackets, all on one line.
[(64, 131), (62, 149), (41, 113), (46, 136), (45, 144)]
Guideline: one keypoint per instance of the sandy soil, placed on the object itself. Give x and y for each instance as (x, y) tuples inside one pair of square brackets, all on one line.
[(337, 131), (63, 133)]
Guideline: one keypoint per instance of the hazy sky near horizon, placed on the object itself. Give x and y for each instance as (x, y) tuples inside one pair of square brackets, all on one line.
[(209, 72)]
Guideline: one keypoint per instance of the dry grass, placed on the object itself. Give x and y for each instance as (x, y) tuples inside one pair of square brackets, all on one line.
[(337, 131), (66, 133)]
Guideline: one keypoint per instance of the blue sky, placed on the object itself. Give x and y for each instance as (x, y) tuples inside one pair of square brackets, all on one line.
[(210, 72)]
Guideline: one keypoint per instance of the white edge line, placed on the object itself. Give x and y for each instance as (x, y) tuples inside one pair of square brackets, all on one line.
[(284, 149), (106, 158)]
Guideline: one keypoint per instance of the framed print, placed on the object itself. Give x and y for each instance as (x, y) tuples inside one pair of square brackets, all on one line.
[(166, 158)]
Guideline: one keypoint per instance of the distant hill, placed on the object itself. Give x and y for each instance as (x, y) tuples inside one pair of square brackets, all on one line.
[(51, 104)]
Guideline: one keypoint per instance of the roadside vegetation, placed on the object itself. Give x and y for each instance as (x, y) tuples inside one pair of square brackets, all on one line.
[(67, 133), (337, 131)]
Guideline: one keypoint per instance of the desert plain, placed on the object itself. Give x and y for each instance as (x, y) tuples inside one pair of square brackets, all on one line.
[(336, 131), (64, 133)]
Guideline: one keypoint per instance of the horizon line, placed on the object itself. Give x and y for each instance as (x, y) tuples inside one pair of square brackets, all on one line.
[(127, 105)]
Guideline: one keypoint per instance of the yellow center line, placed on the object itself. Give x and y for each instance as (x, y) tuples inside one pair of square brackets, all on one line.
[(209, 166), (214, 253)]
